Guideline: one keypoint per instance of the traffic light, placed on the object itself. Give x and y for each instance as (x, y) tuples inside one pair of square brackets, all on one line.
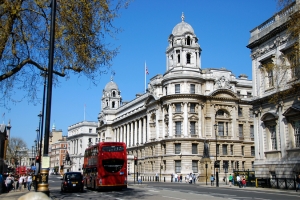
[(135, 160), (37, 159)]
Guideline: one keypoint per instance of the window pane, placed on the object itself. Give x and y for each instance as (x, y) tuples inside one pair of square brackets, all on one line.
[(272, 130), (192, 107), (177, 88), (192, 89), (195, 166), (241, 134), (193, 125), (224, 149), (194, 149), (221, 128), (177, 148), (252, 151), (177, 107), (296, 127), (177, 166), (178, 128), (251, 131)]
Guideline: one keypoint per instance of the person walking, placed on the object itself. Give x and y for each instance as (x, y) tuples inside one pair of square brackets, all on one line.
[(21, 179), (9, 182), (238, 180), (180, 177), (298, 183), (194, 178), (212, 179), (29, 181), (176, 177), (230, 180), (244, 183)]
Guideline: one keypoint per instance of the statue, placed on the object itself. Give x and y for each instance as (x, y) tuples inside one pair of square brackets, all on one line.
[(68, 158), (206, 150)]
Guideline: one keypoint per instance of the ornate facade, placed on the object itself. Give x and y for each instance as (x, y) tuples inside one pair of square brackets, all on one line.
[(166, 127), (275, 68)]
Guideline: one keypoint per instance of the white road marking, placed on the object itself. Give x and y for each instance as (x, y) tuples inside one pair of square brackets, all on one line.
[(172, 197)]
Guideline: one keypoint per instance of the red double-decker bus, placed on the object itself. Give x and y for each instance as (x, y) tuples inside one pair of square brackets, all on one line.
[(105, 166)]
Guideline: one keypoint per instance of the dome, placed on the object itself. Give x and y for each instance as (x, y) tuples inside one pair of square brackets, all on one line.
[(111, 86), (182, 27)]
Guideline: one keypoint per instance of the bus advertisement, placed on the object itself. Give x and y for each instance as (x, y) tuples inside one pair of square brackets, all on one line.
[(105, 166)]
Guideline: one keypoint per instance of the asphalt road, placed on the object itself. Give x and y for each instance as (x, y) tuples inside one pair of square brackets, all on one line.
[(175, 191)]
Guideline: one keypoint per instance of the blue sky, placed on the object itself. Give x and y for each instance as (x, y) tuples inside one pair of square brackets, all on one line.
[(222, 27)]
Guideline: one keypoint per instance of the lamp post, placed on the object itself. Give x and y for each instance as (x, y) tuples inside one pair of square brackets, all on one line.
[(216, 161), (137, 166), (38, 137)]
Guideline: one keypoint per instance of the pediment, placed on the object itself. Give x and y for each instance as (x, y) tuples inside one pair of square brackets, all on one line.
[(193, 118), (224, 93), (269, 116), (291, 111), (150, 100)]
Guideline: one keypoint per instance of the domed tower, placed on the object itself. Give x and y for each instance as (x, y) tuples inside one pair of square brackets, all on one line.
[(111, 97), (183, 52)]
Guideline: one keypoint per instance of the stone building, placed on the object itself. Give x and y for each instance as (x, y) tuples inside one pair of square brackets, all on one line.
[(166, 127), (80, 136), (275, 68)]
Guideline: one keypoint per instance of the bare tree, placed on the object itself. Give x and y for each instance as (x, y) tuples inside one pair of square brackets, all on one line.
[(16, 151), (82, 30)]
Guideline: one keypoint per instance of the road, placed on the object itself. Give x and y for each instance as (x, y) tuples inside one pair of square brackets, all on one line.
[(173, 191)]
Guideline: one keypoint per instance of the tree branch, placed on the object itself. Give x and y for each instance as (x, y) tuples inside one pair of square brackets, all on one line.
[(25, 62)]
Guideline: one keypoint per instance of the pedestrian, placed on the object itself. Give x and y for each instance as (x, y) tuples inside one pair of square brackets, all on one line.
[(21, 179), (180, 177), (244, 183), (187, 178), (25, 181), (194, 178), (238, 180), (9, 182), (212, 179), (29, 181), (156, 177), (172, 177), (176, 177), (230, 180), (298, 183)]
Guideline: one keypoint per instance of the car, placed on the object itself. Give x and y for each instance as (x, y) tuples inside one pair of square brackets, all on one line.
[(72, 181)]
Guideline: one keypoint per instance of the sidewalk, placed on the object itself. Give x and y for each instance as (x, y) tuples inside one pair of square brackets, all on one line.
[(223, 185), (13, 195)]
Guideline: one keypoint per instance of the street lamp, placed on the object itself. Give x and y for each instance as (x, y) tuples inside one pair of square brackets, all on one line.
[(38, 137), (216, 161)]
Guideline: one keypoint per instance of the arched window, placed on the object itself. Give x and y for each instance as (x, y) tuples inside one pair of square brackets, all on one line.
[(178, 58), (188, 40), (188, 58), (113, 104), (114, 94)]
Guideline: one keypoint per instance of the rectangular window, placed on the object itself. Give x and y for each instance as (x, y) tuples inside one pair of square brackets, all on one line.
[(178, 128), (177, 148), (252, 151), (194, 148), (177, 88), (270, 78), (193, 128), (243, 165), (192, 107), (240, 111), (232, 165), (225, 164), (251, 131), (252, 165), (243, 150), (241, 134), (90, 130), (224, 149), (218, 149), (192, 89), (177, 107), (251, 115), (296, 129), (220, 128), (195, 166), (272, 130), (177, 166), (166, 89), (231, 149)]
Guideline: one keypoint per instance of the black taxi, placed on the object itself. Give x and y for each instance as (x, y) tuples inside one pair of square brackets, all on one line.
[(72, 181)]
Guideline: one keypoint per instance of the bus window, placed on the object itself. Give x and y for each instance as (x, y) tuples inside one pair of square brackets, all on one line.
[(112, 148)]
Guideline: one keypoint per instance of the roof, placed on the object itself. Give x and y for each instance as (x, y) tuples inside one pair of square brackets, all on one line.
[(182, 27)]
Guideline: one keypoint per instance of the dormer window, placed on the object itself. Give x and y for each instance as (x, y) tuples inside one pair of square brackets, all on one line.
[(188, 40), (177, 88), (188, 58)]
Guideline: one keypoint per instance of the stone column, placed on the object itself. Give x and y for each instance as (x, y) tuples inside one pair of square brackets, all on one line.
[(157, 124), (163, 123), (131, 134), (170, 120), (144, 130), (200, 134), (135, 132), (127, 134), (185, 120), (140, 131)]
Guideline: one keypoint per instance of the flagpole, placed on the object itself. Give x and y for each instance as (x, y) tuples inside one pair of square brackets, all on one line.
[(84, 113), (145, 76)]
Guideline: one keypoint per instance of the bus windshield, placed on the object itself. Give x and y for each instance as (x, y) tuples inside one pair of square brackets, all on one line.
[(112, 148), (113, 165)]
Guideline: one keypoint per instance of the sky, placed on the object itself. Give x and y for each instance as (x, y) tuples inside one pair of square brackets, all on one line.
[(223, 30)]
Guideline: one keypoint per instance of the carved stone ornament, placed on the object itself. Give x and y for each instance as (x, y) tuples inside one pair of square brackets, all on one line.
[(222, 83)]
